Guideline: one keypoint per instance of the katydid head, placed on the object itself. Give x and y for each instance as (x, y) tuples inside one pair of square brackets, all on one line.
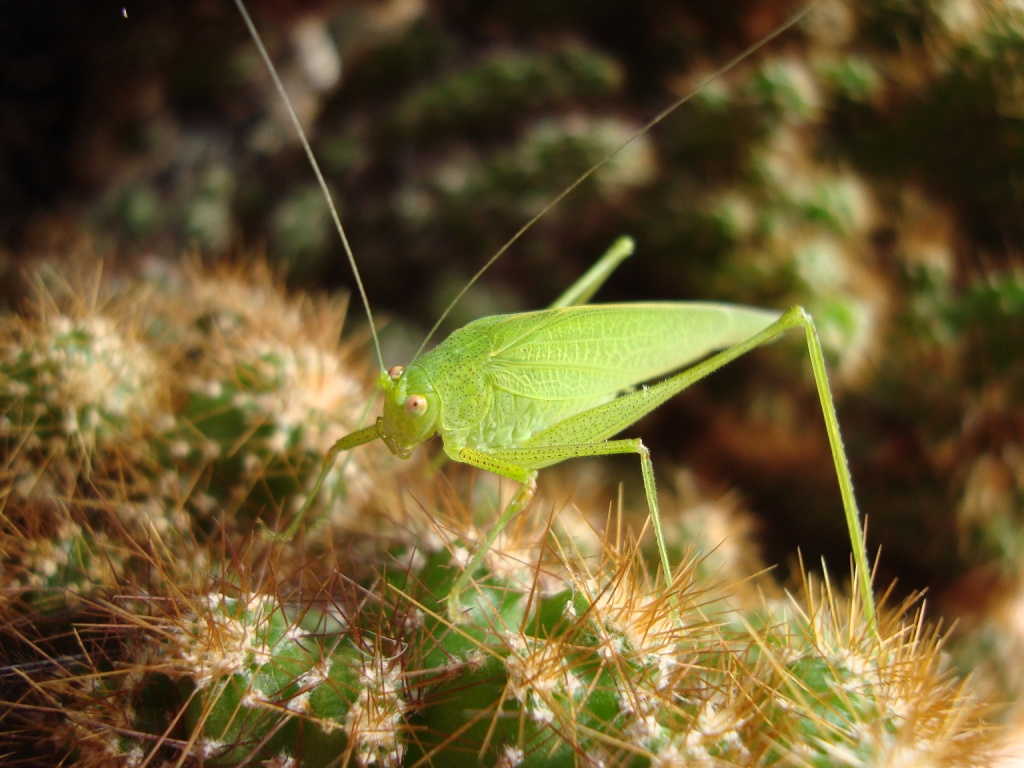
[(411, 409)]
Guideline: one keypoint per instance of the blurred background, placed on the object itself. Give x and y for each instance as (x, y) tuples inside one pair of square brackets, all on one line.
[(868, 163)]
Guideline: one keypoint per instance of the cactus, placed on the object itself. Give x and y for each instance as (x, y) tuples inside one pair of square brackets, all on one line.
[(337, 648), (603, 668)]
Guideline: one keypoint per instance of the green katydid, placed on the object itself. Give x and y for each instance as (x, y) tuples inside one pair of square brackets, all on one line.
[(513, 394)]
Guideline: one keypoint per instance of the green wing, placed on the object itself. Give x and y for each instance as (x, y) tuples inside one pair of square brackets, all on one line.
[(600, 349)]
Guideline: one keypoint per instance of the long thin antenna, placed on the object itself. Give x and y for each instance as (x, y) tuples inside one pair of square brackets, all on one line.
[(746, 53), (316, 170)]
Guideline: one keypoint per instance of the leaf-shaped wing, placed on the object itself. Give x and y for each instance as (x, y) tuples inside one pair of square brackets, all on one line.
[(601, 349)]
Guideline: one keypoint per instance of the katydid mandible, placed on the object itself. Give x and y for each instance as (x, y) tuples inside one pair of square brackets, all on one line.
[(515, 393)]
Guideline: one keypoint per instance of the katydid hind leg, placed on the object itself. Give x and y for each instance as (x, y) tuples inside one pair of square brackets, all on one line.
[(596, 425), (798, 317)]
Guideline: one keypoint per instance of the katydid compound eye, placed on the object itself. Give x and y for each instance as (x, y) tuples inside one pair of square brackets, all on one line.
[(416, 405), (395, 372)]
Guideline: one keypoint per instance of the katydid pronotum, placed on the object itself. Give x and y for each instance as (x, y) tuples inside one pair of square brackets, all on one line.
[(515, 393)]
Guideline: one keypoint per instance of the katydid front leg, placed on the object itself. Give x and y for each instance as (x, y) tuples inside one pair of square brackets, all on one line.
[(577, 293), (357, 438)]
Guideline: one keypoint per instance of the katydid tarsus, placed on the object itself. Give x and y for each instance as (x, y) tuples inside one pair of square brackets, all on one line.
[(515, 393)]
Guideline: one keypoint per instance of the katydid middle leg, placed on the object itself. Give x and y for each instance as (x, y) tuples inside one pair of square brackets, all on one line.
[(522, 464)]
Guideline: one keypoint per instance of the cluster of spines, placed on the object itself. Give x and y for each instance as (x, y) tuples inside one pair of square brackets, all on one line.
[(162, 412), (608, 670)]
